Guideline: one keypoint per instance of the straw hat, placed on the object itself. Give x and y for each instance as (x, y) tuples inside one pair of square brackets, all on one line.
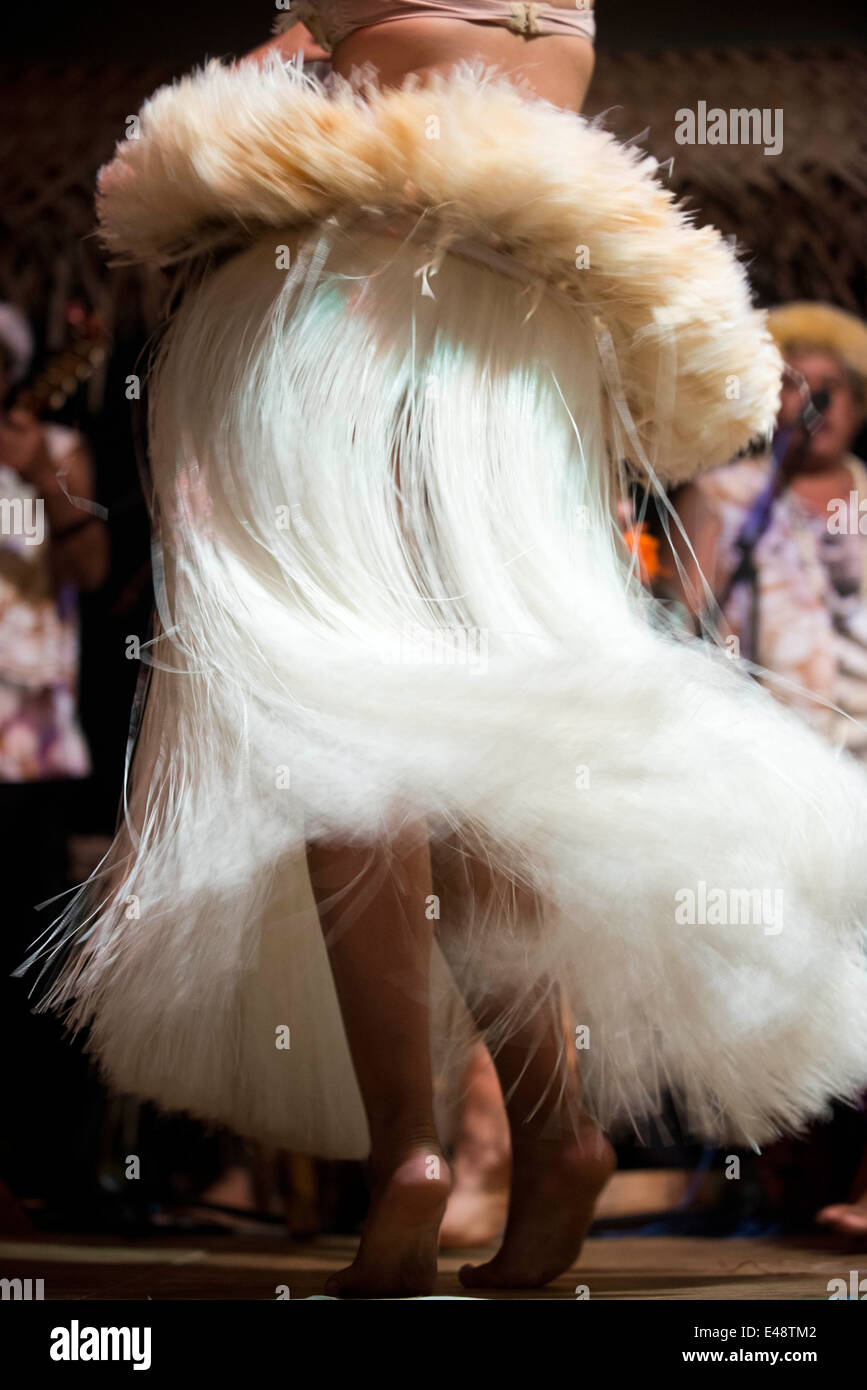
[(815, 325)]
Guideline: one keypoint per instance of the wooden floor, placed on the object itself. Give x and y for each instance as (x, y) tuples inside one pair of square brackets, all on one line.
[(231, 1268)]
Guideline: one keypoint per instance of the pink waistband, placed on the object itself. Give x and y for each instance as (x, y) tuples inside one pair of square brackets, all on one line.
[(329, 21)]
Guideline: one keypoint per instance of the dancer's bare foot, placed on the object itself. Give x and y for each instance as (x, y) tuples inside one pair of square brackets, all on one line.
[(397, 1257), (846, 1218), (555, 1184)]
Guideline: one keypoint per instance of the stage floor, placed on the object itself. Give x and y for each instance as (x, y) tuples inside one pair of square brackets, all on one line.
[(230, 1268)]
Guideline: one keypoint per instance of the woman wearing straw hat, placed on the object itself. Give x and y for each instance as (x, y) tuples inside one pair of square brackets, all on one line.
[(801, 600)]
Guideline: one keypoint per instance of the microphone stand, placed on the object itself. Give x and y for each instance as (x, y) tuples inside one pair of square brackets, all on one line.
[(788, 451)]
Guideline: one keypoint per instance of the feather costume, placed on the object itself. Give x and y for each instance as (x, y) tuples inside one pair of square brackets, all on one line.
[(434, 329)]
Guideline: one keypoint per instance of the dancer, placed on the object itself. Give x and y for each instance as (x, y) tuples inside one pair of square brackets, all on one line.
[(405, 685)]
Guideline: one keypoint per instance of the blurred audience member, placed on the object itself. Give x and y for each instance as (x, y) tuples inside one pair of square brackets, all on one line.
[(482, 1160), (53, 544), (796, 597), (783, 548)]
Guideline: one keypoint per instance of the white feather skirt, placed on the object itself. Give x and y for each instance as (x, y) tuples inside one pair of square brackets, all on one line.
[(395, 601)]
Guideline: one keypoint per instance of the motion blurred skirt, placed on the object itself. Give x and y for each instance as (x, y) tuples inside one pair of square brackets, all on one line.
[(427, 338)]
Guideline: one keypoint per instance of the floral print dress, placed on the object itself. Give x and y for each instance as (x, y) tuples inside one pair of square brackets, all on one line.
[(812, 595), (40, 735)]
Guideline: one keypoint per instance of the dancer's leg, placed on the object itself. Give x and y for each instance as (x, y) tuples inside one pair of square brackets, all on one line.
[(371, 904), (560, 1159)]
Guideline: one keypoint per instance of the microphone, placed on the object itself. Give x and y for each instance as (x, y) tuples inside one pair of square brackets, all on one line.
[(788, 448), (796, 437), (814, 408)]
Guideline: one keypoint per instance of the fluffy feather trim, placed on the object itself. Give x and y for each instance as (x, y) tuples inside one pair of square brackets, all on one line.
[(226, 152)]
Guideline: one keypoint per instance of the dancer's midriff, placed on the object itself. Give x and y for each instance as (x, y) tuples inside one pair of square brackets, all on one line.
[(557, 68)]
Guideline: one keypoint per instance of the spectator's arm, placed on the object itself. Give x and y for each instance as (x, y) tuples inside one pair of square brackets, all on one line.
[(78, 538), (694, 557)]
